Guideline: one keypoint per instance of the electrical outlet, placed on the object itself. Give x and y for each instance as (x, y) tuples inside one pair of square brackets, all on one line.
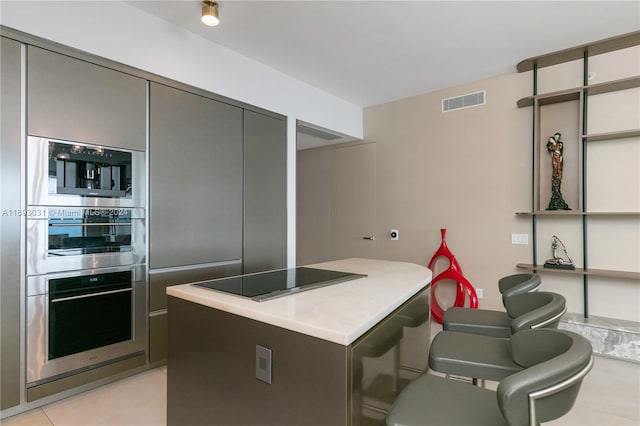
[(394, 234), (520, 239), (263, 364), (480, 293)]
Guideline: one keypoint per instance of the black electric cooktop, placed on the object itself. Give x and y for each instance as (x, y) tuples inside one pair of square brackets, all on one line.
[(269, 285)]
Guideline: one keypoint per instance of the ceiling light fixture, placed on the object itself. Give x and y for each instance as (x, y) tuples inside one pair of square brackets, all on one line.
[(210, 13)]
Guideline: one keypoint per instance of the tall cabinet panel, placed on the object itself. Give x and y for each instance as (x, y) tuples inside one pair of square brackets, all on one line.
[(74, 100), (195, 195), (196, 179), (10, 75), (265, 236)]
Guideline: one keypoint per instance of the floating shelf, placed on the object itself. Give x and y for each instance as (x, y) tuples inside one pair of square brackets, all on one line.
[(576, 213), (552, 97), (612, 86), (612, 135), (578, 271), (574, 53), (574, 94)]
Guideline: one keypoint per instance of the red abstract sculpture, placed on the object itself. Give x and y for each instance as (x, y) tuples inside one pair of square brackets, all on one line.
[(454, 272)]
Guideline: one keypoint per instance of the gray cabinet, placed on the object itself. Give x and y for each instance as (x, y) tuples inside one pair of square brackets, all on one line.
[(74, 100), (265, 214), (159, 280), (196, 179), (195, 214), (10, 75)]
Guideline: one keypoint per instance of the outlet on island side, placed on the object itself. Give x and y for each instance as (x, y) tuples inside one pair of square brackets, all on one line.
[(480, 293)]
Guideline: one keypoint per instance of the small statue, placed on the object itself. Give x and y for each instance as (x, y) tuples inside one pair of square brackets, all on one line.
[(557, 261), (555, 146)]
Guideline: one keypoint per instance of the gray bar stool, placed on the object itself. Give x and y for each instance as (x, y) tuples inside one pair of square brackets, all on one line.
[(519, 283), (486, 322), (487, 357), (553, 362)]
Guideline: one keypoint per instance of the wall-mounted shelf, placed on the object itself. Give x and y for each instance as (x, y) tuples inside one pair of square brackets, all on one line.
[(578, 271), (578, 52), (551, 98), (612, 135), (576, 213), (567, 111), (574, 94), (612, 86)]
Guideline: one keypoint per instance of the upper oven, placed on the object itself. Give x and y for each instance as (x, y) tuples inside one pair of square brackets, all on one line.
[(63, 173), (72, 238)]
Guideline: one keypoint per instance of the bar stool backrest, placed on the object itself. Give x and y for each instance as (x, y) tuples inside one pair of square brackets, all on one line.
[(512, 285), (535, 310), (555, 363)]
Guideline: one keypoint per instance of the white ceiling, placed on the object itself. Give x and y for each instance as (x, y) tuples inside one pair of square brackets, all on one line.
[(371, 52)]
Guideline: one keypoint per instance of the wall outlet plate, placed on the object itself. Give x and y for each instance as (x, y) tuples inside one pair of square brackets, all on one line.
[(394, 234)]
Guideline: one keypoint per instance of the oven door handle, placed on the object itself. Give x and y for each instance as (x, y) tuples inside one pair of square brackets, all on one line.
[(92, 224), (84, 296)]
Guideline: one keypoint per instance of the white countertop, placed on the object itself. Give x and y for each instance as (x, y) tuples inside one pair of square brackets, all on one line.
[(338, 313)]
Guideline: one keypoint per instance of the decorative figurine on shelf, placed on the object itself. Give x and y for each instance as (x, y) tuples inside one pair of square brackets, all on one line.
[(555, 146), (556, 261)]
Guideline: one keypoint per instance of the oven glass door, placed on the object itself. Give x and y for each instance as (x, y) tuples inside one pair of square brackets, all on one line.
[(74, 238), (79, 320), (89, 312), (89, 231)]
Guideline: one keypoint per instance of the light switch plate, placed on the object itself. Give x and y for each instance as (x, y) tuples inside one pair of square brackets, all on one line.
[(263, 364), (520, 239)]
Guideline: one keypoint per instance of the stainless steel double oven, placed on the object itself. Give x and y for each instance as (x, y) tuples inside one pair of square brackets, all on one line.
[(85, 257)]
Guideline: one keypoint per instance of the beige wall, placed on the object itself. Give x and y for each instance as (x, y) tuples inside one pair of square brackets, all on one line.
[(468, 171)]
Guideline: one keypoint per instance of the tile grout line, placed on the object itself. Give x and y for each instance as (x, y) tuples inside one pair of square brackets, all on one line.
[(47, 416)]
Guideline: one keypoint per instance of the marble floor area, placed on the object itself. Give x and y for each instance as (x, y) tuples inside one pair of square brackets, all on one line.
[(610, 395)]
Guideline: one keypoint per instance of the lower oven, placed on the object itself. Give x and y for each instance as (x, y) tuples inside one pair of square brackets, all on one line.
[(84, 319)]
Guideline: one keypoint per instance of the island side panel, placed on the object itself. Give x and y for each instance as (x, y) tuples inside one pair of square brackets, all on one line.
[(386, 359), (211, 372)]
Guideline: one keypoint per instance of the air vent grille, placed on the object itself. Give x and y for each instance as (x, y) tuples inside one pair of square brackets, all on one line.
[(464, 101), (310, 131)]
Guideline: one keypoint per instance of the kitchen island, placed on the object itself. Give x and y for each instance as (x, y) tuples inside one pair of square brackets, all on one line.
[(336, 355)]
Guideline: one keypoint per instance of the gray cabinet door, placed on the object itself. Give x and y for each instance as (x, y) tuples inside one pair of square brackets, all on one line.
[(10, 76), (265, 214), (196, 179), (74, 100)]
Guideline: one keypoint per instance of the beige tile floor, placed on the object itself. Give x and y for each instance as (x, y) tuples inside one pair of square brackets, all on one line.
[(138, 400), (610, 395)]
